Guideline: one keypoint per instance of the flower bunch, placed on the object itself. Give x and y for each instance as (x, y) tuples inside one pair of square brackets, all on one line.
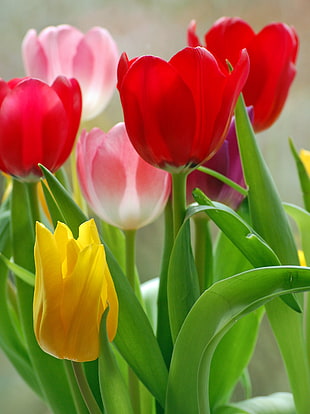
[(81, 328)]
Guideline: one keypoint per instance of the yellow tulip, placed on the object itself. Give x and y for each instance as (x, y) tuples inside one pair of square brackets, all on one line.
[(73, 287), (305, 158)]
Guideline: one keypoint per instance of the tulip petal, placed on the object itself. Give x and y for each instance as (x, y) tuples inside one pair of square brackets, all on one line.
[(272, 72), (27, 113), (59, 44), (159, 112), (95, 71)]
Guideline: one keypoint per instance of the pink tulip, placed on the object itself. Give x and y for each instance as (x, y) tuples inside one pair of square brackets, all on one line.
[(117, 183), (91, 58)]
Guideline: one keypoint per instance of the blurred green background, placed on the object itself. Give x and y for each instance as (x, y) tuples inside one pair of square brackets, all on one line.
[(159, 27)]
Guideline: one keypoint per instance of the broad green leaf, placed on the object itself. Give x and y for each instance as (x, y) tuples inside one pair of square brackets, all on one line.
[(183, 285), (11, 340), (278, 403), (212, 315), (134, 329), (232, 356), (267, 214), (248, 241), (114, 390), (254, 248), (270, 221)]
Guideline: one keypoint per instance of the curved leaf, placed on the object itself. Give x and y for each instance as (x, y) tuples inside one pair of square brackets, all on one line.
[(226, 301)]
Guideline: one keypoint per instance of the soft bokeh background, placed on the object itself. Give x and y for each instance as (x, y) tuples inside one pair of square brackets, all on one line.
[(159, 27)]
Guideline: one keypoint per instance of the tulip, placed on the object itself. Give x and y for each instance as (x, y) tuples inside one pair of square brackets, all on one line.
[(73, 287), (117, 183), (272, 53), (177, 113), (305, 158), (228, 163), (38, 124), (91, 58)]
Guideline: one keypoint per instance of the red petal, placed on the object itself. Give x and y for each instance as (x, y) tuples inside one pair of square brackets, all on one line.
[(273, 54), (159, 112), (227, 37), (32, 124)]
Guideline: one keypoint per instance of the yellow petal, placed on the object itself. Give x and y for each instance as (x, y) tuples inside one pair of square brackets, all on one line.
[(48, 290), (81, 305), (88, 234)]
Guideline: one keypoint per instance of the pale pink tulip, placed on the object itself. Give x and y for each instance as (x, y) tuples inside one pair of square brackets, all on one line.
[(120, 187), (91, 58)]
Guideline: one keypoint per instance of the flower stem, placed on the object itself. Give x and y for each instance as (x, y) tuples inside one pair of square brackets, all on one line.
[(75, 390), (130, 247), (130, 265), (85, 389), (178, 200)]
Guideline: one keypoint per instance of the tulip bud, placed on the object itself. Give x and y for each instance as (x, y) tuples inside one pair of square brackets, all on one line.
[(117, 183)]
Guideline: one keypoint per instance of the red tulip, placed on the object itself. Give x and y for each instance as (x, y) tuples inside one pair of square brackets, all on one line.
[(177, 113), (38, 124), (117, 183), (272, 53)]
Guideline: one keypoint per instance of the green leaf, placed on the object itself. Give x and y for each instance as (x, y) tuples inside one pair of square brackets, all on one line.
[(278, 403), (49, 371), (11, 341), (254, 248), (271, 222), (114, 390), (232, 356), (227, 301), (267, 214), (19, 271), (248, 241), (183, 285), (134, 329)]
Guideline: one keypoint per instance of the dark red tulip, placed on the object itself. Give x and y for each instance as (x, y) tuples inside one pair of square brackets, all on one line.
[(177, 113), (272, 53)]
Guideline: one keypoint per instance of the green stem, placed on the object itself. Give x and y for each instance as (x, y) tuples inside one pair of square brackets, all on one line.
[(75, 390), (130, 265), (203, 251), (224, 179), (130, 257), (178, 199), (35, 215), (86, 392)]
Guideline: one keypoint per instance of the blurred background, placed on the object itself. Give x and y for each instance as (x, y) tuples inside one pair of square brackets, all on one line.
[(159, 27)]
